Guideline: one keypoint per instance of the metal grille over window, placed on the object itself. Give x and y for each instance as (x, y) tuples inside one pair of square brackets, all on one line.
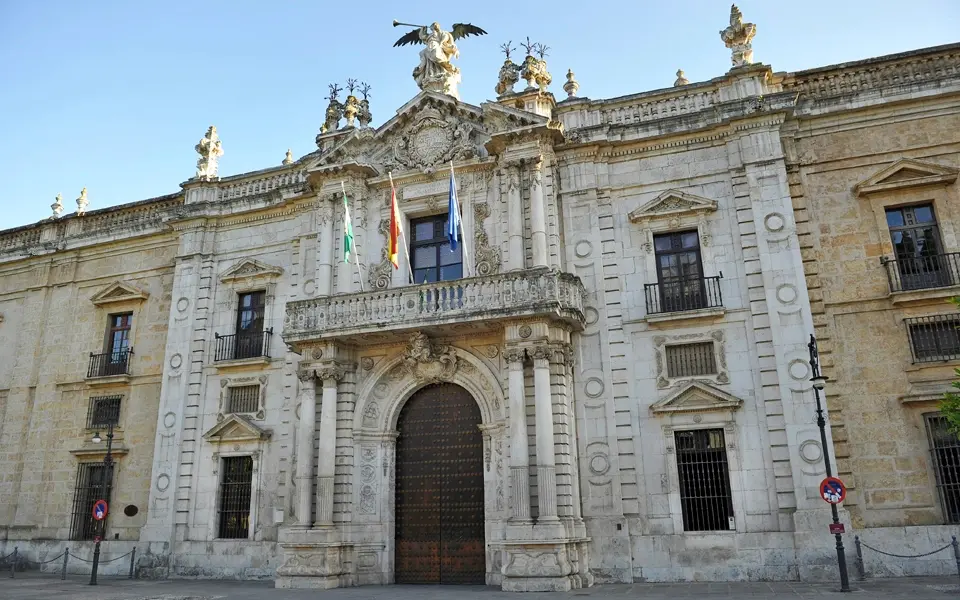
[(103, 411), (934, 338), (704, 480), (945, 451), (235, 490), (244, 399), (690, 360), (93, 483)]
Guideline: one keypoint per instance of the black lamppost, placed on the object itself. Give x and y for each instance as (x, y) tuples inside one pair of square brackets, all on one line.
[(818, 383), (107, 480)]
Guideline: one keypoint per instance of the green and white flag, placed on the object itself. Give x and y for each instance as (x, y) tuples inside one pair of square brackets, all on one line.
[(347, 230)]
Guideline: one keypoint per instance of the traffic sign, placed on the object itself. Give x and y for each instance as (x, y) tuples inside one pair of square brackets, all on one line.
[(100, 510), (836, 528), (832, 490)]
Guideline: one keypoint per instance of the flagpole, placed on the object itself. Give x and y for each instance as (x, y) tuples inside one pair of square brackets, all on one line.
[(400, 228), (356, 254), (463, 235)]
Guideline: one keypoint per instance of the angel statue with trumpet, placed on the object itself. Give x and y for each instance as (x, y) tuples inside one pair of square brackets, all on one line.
[(435, 72)]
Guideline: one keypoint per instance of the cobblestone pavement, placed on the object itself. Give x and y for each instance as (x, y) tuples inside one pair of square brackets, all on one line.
[(32, 586)]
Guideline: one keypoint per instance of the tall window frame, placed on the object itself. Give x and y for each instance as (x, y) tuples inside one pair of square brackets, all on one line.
[(679, 270), (431, 258), (945, 454), (235, 495), (704, 475), (117, 343), (917, 246), (94, 482)]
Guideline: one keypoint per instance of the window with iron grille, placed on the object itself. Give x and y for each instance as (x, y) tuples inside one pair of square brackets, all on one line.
[(103, 411), (235, 493), (705, 496), (934, 338), (93, 483), (945, 452), (691, 360), (243, 399)]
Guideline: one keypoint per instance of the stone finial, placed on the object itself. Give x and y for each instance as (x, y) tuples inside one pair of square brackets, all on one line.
[(509, 72), (82, 202), (351, 108), (533, 69), (681, 80), (364, 115), (334, 110), (288, 159), (737, 36), (210, 151), (57, 206), (571, 86)]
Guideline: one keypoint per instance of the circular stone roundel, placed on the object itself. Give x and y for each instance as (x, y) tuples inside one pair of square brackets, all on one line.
[(430, 144)]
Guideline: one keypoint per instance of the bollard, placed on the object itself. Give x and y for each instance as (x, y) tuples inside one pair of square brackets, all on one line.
[(859, 560), (13, 564), (956, 552), (66, 555), (133, 557)]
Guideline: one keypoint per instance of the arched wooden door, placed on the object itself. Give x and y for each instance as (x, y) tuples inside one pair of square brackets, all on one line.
[(439, 501)]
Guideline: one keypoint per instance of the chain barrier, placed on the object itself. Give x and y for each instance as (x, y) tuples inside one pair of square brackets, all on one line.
[(20, 562), (101, 561), (860, 544)]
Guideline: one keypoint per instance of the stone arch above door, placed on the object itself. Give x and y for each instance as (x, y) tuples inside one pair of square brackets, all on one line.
[(422, 362)]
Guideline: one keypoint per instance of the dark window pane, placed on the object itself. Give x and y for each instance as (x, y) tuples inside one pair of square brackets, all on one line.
[(894, 217), (424, 256), (923, 214), (663, 242), (424, 275), (449, 258), (690, 239), (451, 272), (423, 231)]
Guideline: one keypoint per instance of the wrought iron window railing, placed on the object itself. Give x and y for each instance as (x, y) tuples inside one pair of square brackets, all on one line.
[(109, 364), (242, 345), (103, 411), (93, 483), (908, 273), (679, 295), (705, 494), (934, 338), (235, 493), (945, 451), (243, 399), (691, 360)]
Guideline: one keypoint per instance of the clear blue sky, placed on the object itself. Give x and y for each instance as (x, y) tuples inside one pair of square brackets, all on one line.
[(114, 95)]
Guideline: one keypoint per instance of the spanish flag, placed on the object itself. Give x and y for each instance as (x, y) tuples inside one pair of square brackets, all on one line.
[(394, 227)]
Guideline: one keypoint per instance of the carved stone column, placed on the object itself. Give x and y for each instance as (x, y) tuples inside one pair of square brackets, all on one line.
[(308, 415), (538, 219), (329, 374), (514, 218), (519, 453), (324, 247), (546, 462)]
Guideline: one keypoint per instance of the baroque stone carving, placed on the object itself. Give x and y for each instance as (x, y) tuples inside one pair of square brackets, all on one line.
[(542, 352), (304, 375), (428, 361), (370, 414), (82, 202), (525, 331), (57, 206), (737, 36), (433, 140), (366, 363), (514, 355), (487, 256), (210, 150), (508, 77), (330, 371)]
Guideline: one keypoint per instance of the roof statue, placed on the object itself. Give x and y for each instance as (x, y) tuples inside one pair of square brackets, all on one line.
[(737, 37), (435, 72), (210, 150)]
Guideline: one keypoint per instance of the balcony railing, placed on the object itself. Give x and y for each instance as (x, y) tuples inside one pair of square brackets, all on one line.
[(508, 295), (683, 294), (110, 364), (909, 273), (243, 345), (934, 338)]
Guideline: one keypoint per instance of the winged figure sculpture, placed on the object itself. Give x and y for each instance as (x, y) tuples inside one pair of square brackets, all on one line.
[(435, 71)]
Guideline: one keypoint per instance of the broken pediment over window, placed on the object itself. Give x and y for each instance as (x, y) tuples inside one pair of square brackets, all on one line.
[(671, 204), (697, 397), (906, 173), (119, 291), (250, 269), (235, 429)]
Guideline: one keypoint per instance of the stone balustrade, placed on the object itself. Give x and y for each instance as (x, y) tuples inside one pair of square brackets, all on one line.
[(231, 188), (526, 293)]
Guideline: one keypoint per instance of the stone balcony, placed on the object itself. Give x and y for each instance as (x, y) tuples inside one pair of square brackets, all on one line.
[(463, 306)]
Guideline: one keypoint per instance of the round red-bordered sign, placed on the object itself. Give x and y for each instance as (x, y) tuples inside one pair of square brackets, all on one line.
[(832, 490), (100, 510)]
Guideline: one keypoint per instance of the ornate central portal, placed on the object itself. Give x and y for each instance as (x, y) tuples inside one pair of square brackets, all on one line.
[(439, 501)]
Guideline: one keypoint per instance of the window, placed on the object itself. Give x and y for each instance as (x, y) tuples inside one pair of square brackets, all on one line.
[(249, 339), (917, 249), (705, 496), (681, 284), (945, 452), (103, 411), (691, 360), (243, 399), (235, 493), (934, 338), (430, 251), (118, 336), (93, 483)]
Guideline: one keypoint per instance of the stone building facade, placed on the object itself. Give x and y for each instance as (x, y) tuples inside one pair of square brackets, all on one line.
[(608, 380)]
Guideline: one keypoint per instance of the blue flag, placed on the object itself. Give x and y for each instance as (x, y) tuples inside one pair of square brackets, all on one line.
[(453, 218)]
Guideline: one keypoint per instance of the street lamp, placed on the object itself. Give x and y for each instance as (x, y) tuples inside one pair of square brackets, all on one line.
[(818, 385), (107, 481)]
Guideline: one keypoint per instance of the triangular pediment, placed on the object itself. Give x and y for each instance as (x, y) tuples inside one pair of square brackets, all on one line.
[(906, 173), (119, 291), (235, 428), (672, 203), (249, 268), (697, 397)]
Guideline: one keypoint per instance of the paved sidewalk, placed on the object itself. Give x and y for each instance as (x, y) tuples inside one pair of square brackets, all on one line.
[(33, 586)]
